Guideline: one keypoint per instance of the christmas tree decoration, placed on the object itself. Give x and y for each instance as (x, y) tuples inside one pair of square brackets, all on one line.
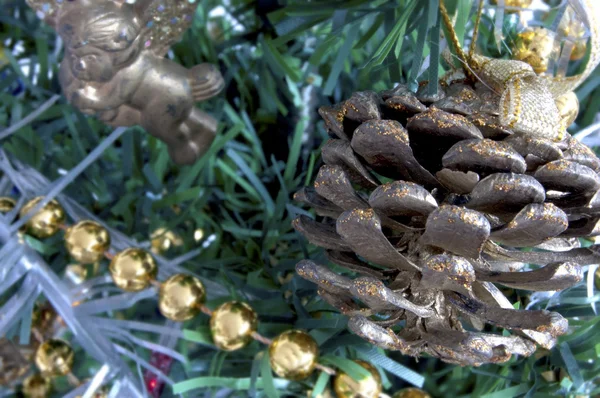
[(36, 386), (431, 208), (232, 325), (232, 209), (162, 240), (114, 68), (181, 297), (411, 393), (133, 269), (370, 387), (87, 241), (293, 355), (537, 47), (54, 357), (7, 204), (47, 221), (526, 103)]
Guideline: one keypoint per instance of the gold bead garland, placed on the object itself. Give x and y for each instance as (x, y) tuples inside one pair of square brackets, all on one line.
[(87, 241), (293, 354), (369, 387), (133, 269), (46, 222), (181, 297), (232, 325)]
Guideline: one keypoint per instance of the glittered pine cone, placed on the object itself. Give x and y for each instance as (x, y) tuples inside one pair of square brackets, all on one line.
[(431, 202)]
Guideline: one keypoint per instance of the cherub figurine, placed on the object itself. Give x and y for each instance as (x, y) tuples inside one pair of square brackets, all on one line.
[(114, 68)]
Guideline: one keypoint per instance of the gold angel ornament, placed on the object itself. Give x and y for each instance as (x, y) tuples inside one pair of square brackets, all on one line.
[(114, 68)]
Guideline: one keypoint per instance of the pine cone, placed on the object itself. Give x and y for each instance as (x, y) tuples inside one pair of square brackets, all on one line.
[(433, 206)]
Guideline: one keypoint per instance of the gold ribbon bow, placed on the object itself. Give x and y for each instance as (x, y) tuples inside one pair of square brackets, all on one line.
[(528, 102)]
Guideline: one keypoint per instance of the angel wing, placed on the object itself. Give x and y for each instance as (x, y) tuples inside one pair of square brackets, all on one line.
[(165, 21)]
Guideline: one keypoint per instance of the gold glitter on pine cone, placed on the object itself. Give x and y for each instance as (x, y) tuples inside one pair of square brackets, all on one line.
[(431, 201)]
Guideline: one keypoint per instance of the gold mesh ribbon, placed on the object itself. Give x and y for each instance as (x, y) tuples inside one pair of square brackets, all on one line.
[(528, 101)]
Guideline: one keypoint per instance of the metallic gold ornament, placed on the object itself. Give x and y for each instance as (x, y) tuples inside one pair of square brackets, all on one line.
[(133, 269), (537, 47), (293, 355), (181, 297), (6, 204), (411, 393), (513, 5), (568, 108), (370, 387), (527, 99), (54, 357), (163, 240), (37, 386), (87, 241), (232, 325), (45, 222), (114, 68)]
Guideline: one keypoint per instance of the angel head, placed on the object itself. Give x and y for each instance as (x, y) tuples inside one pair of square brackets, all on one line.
[(99, 39)]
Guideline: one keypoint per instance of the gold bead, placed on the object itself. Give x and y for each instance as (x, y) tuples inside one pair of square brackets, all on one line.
[(133, 269), (36, 386), (514, 3), (163, 239), (54, 357), (535, 46), (47, 221), (568, 108), (346, 387), (87, 241), (232, 325), (181, 297), (293, 355), (411, 393), (6, 204)]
